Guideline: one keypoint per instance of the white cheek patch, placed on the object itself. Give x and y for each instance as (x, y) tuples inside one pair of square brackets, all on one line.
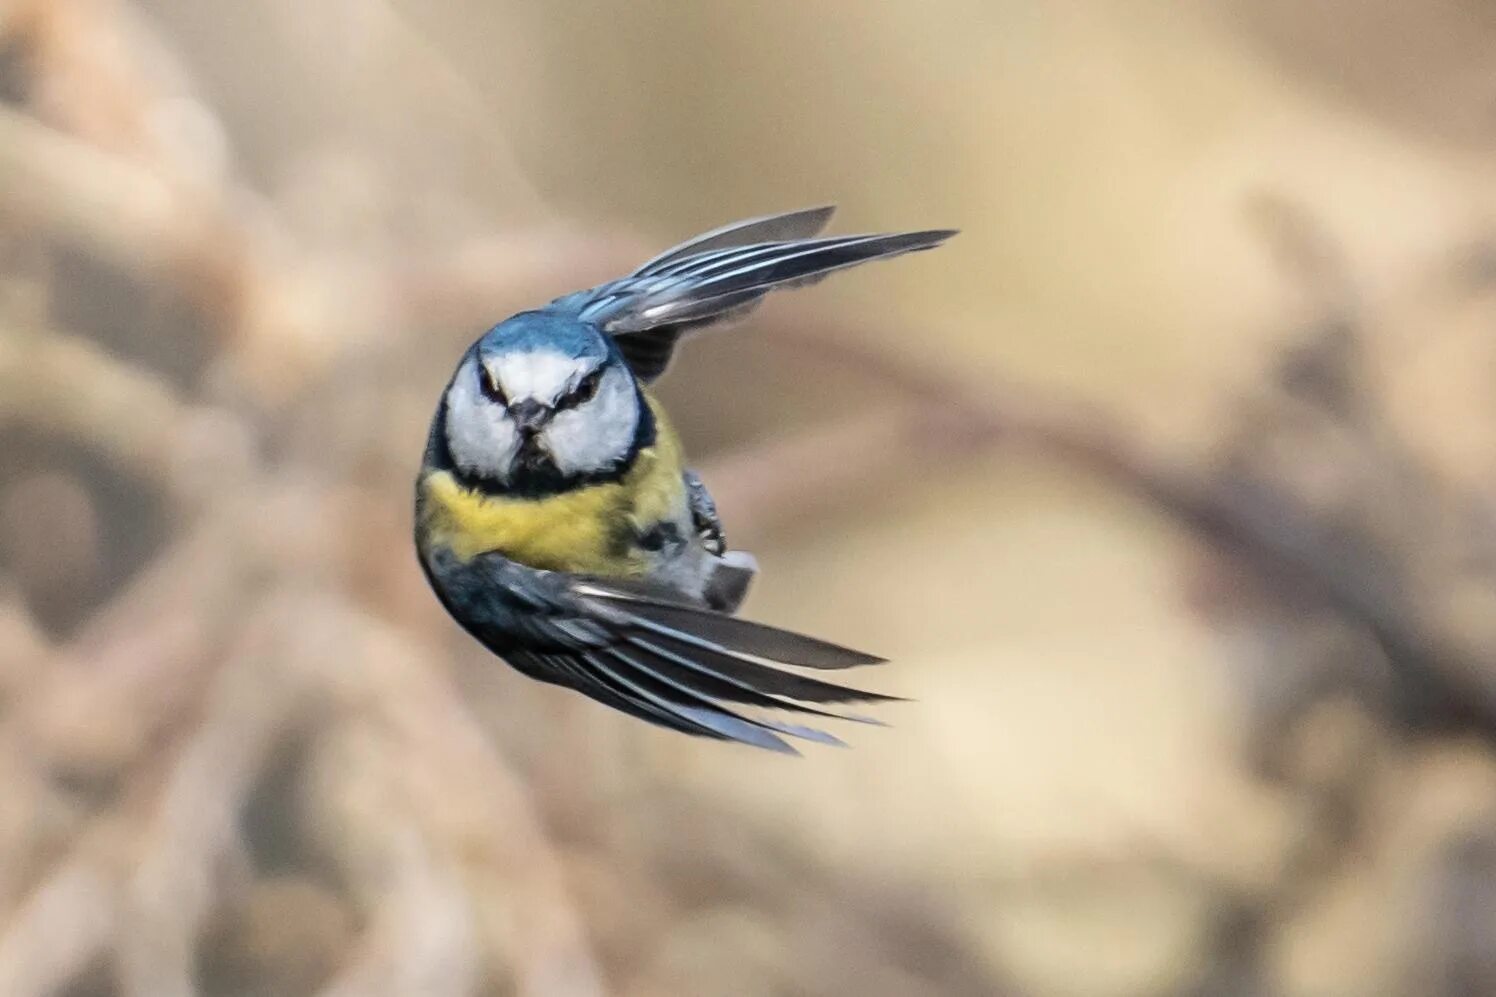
[(480, 435), (597, 434), (543, 375)]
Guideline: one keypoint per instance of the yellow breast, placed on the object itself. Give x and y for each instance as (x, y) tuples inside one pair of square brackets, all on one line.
[(588, 530)]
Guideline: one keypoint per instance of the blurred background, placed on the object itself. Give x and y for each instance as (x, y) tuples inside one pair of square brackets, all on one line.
[(1169, 487)]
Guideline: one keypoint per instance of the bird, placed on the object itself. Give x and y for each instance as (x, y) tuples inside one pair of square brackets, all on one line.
[(558, 523)]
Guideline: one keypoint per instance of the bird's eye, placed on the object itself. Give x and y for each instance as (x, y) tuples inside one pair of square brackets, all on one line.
[(489, 386), (584, 391)]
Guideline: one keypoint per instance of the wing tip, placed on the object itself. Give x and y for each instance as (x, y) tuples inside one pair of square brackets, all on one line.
[(778, 745), (819, 214), (831, 657), (812, 734), (926, 238)]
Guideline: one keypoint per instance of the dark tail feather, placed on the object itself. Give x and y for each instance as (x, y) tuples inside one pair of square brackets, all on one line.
[(722, 679), (760, 677), (678, 690), (619, 670), (684, 620), (573, 673), (687, 667)]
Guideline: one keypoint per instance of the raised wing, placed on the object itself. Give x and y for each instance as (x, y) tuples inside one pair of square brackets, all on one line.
[(722, 274), (800, 224)]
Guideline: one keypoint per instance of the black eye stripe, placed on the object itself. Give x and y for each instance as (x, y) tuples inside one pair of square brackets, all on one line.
[(584, 391), (589, 384), (489, 386)]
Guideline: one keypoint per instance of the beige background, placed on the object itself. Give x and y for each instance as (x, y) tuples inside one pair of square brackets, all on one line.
[(241, 246)]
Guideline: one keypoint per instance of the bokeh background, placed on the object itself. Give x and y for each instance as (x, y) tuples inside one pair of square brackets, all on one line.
[(1167, 486)]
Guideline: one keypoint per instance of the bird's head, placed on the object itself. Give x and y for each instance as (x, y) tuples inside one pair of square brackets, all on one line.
[(542, 400)]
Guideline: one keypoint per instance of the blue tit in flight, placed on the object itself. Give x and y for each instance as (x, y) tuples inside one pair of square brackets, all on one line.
[(558, 523)]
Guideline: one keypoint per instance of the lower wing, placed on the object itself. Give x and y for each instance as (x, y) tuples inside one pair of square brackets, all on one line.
[(673, 663)]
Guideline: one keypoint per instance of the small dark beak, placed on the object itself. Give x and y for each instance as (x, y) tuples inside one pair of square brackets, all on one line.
[(530, 416)]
